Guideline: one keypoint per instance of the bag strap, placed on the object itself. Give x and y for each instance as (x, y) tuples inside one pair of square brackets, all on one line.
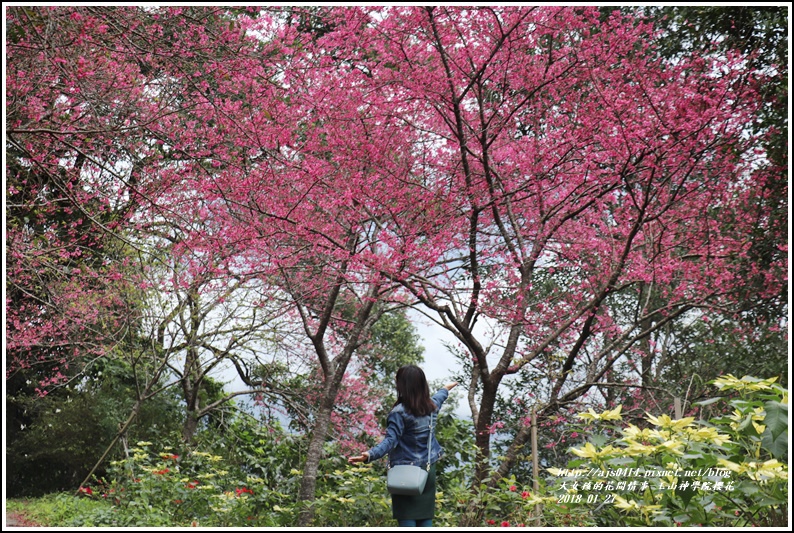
[(429, 441)]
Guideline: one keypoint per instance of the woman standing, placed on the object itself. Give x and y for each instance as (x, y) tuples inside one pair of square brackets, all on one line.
[(406, 443)]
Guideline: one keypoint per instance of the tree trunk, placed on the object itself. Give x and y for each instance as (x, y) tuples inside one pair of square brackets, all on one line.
[(315, 452), (646, 324), (334, 371), (190, 427), (483, 434), (190, 389)]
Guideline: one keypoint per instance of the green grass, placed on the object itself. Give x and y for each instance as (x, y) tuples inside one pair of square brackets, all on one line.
[(59, 509)]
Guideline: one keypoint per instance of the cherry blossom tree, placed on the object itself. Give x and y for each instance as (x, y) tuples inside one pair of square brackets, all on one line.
[(538, 180), (179, 125), (305, 199), (579, 173), (68, 281)]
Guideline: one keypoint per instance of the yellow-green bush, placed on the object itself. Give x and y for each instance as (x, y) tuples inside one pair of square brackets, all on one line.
[(730, 470)]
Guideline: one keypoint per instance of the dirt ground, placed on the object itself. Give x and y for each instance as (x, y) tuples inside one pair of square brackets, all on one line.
[(18, 520)]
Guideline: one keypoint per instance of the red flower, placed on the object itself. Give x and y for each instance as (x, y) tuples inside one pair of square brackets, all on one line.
[(505, 524), (192, 484), (244, 490), (161, 472), (85, 490), (491, 522), (512, 488), (525, 494)]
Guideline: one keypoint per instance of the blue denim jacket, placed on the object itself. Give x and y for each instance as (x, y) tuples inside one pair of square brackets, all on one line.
[(406, 436)]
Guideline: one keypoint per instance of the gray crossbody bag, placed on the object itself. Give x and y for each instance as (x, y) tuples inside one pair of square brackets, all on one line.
[(410, 480)]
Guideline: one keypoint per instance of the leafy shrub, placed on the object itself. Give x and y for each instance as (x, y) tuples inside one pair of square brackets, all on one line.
[(57, 509), (727, 471), (354, 497), (241, 477), (508, 505)]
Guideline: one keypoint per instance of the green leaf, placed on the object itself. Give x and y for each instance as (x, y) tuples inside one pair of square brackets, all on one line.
[(709, 401), (776, 419), (766, 501), (621, 461), (777, 446), (599, 440), (742, 405), (685, 494), (693, 456), (746, 423), (748, 488)]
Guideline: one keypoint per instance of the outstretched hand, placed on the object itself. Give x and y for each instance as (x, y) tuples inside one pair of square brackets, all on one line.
[(358, 458), (450, 386)]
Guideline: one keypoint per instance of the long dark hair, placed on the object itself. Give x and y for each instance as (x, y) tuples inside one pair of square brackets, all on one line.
[(413, 392)]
